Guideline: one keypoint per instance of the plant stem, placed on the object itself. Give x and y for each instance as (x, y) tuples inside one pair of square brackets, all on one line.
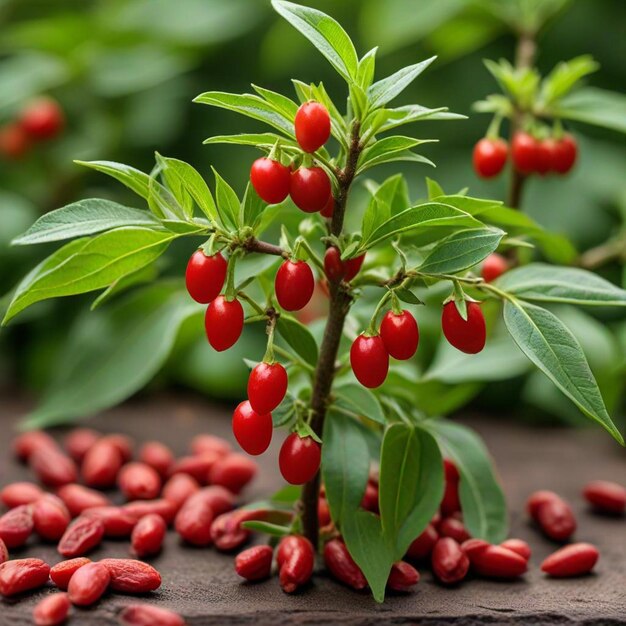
[(255, 245), (340, 301)]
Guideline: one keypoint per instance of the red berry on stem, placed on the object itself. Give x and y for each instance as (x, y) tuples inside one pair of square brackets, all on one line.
[(294, 285), (205, 276), (494, 266), (465, 335), (267, 386), (312, 124), (353, 267), (524, 152), (42, 119), (223, 323), (270, 180), (252, 430), (543, 156), (400, 334), (333, 265), (490, 157), (370, 360), (14, 142), (329, 208), (299, 459), (564, 155), (310, 188)]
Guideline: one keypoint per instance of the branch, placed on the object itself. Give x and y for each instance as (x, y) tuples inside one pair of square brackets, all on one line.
[(263, 247)]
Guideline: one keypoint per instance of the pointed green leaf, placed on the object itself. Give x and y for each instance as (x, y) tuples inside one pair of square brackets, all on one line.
[(385, 90), (389, 149), (360, 401), (299, 337), (414, 113), (550, 345), (367, 65), (262, 140), (591, 105), (134, 179), (228, 204)]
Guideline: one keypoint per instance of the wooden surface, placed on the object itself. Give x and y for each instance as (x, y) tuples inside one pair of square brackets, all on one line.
[(201, 583)]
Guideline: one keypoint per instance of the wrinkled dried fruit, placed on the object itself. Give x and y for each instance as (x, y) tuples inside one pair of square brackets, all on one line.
[(158, 456), (17, 494), (131, 576), (139, 481), (254, 563), (193, 522), (79, 441), (25, 444), (179, 488), (16, 526), (196, 466), (148, 535), (160, 506), (233, 471), (52, 610), (50, 517), (53, 467), (22, 575), (148, 615), (62, 572), (78, 498), (202, 444), (101, 464), (82, 536), (116, 520)]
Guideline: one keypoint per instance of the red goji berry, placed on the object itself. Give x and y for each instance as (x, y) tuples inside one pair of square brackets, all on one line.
[(295, 558), (310, 188), (20, 575), (4, 552), (196, 466), (50, 517), (101, 464), (17, 494), (469, 335), (233, 471), (226, 531), (524, 152), (88, 584), (254, 563), (552, 514), (220, 499), (329, 208), (52, 610), (267, 386), (202, 444), (369, 360), (42, 119), (179, 488), (471, 546), (497, 562), (452, 527), (123, 443), (573, 560), (299, 459), (489, 157), (82, 536), (53, 467), (193, 522), (564, 155), (342, 566), (116, 520), (606, 496), (450, 564), (223, 323), (537, 498), (132, 576), (400, 334), (205, 275), (148, 535), (78, 498), (25, 444), (158, 456), (544, 156), (138, 481), (253, 431), (147, 615), (422, 547), (270, 180), (160, 506), (79, 441), (370, 498), (494, 266), (62, 572), (16, 526), (312, 126), (323, 512), (402, 577), (14, 142), (519, 546)]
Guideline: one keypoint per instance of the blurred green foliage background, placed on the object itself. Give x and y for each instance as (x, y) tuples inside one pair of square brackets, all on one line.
[(125, 73)]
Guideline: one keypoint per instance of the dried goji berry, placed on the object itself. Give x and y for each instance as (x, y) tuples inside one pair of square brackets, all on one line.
[(450, 564), (139, 481), (63, 571), (218, 498), (88, 584), (4, 552), (16, 526), (606, 496), (78, 498), (497, 562), (226, 531), (233, 471), (158, 456), (370, 498), (52, 610), (79, 441), (179, 488), (450, 503), (193, 522), (197, 466), (53, 467), (556, 519), (519, 546), (254, 563), (101, 464), (342, 566), (423, 545), (453, 527), (204, 443), (402, 577), (25, 444), (83, 535), (117, 521), (160, 506), (50, 517), (17, 494), (148, 535), (148, 615), (573, 560), (22, 575), (132, 576), (537, 498), (123, 443), (295, 558)]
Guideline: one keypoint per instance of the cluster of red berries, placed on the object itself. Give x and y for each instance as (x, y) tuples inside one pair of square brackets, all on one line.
[(309, 187), (529, 154), (40, 120), (195, 494)]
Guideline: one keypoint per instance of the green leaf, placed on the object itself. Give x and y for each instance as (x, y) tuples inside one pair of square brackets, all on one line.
[(345, 465), (134, 179), (299, 337), (163, 203), (406, 295), (548, 283), (250, 106), (431, 219), (434, 189), (411, 484), (414, 113), (461, 251), (227, 201), (147, 274), (274, 530), (591, 105), (550, 345), (252, 207), (182, 176), (385, 90), (360, 401), (324, 33), (367, 65), (391, 149), (564, 77), (114, 352), (280, 102), (261, 140), (390, 198), (88, 264), (85, 217), (482, 499)]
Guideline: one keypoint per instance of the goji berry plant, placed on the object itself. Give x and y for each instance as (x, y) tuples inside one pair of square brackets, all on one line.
[(338, 432)]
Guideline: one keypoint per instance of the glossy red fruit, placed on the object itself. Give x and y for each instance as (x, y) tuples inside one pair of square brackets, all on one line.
[(353, 267), (564, 155), (342, 566), (267, 386), (450, 503), (469, 335), (423, 545), (329, 208), (606, 496), (299, 459), (20, 575), (223, 323), (88, 584), (334, 267), (494, 266), (148, 535), (233, 471), (497, 562), (270, 180), (524, 152), (252, 430), (519, 546), (449, 563), (79, 441), (573, 560), (489, 157), (205, 276), (295, 558), (370, 360), (453, 527), (312, 124), (402, 577), (254, 563), (400, 334), (556, 519), (52, 610), (63, 571), (294, 285), (14, 142), (42, 119), (544, 156), (310, 188)]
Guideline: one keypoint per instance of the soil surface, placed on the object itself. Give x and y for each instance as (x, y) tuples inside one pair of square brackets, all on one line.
[(202, 586)]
